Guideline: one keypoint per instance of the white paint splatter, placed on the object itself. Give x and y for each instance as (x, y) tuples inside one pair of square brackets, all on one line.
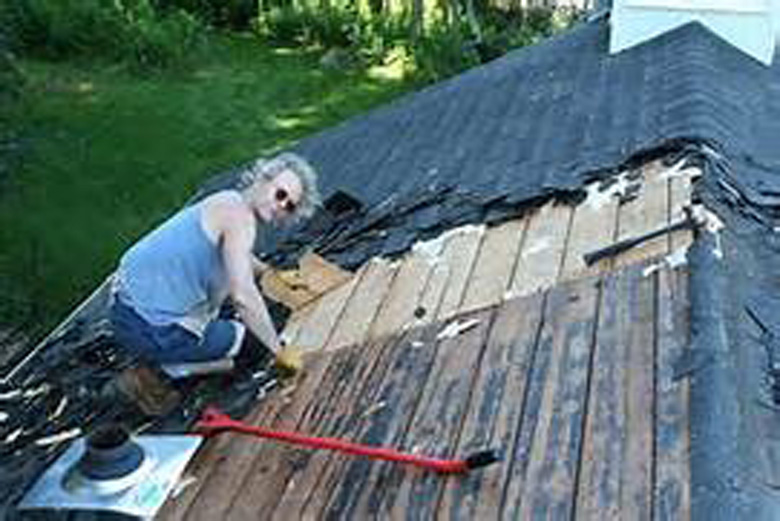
[(59, 437), (712, 224), (14, 435), (718, 249), (679, 170), (182, 484), (373, 409), (539, 246), (678, 258), (621, 185), (432, 249), (60, 408), (672, 261), (10, 395), (28, 393), (456, 328)]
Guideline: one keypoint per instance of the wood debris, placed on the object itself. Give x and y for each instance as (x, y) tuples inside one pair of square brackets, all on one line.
[(59, 437), (296, 288)]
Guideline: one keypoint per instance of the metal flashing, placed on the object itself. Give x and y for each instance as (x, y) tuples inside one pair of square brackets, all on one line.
[(60, 489)]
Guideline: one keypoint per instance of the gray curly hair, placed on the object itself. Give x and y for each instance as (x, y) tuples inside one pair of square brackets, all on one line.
[(268, 169)]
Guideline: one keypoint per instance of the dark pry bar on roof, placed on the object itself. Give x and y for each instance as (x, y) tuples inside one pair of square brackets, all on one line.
[(625, 245)]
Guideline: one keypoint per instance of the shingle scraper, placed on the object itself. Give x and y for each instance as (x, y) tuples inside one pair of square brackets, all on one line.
[(214, 422)]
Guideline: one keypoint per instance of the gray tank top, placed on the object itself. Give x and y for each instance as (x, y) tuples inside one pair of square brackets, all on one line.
[(175, 274)]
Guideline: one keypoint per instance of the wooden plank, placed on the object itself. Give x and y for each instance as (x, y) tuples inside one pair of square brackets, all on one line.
[(296, 322), (355, 488), (296, 288), (361, 489), (458, 256), (382, 396), (593, 227), (317, 482), (672, 498), (210, 461), (646, 213), (321, 276), (301, 494), (540, 258), (305, 474), (494, 265), (359, 312), (679, 197), (544, 460), (397, 312), (601, 473), (259, 492), (352, 487), (304, 493), (615, 478), (638, 492), (316, 330), (494, 413), (430, 301), (224, 479), (439, 416), (286, 287)]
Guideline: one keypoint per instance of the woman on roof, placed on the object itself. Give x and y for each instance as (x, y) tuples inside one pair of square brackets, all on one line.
[(171, 284)]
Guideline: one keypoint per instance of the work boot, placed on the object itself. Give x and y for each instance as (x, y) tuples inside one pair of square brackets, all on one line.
[(148, 390)]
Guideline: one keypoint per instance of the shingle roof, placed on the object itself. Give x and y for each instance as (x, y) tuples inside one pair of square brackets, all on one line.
[(540, 121), (543, 120)]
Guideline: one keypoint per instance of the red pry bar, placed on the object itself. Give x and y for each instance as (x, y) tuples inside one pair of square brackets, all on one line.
[(215, 422)]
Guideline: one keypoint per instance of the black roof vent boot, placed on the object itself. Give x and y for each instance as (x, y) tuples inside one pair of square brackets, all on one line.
[(110, 454)]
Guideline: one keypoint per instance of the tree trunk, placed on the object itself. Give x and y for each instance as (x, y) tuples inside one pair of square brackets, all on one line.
[(417, 19), (471, 17), (376, 7), (446, 12)]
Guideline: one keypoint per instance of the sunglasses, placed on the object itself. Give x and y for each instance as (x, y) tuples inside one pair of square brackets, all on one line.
[(283, 198)]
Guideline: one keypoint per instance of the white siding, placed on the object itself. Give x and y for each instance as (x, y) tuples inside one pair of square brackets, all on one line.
[(745, 24)]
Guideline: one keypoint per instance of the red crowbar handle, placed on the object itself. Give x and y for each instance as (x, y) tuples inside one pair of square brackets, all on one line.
[(214, 422)]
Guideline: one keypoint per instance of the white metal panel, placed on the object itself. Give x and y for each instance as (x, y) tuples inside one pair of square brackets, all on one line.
[(737, 6), (169, 455), (747, 24)]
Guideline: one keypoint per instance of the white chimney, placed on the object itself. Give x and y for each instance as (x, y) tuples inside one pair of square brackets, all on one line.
[(746, 24)]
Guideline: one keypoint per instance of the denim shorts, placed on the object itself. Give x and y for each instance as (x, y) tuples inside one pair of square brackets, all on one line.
[(170, 343)]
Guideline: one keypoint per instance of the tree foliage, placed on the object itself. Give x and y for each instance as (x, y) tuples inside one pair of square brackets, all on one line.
[(437, 37), (119, 30)]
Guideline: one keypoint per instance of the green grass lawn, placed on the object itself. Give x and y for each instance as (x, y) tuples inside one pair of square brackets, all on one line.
[(103, 155)]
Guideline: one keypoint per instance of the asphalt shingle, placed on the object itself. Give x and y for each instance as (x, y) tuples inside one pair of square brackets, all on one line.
[(545, 119)]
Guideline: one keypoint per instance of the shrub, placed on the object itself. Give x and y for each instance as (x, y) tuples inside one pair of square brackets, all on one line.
[(443, 52), (118, 30), (226, 14), (11, 77), (376, 37), (510, 28), (63, 28), (172, 40), (291, 26)]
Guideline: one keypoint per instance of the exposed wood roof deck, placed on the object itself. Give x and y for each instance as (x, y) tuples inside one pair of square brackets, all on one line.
[(568, 371)]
